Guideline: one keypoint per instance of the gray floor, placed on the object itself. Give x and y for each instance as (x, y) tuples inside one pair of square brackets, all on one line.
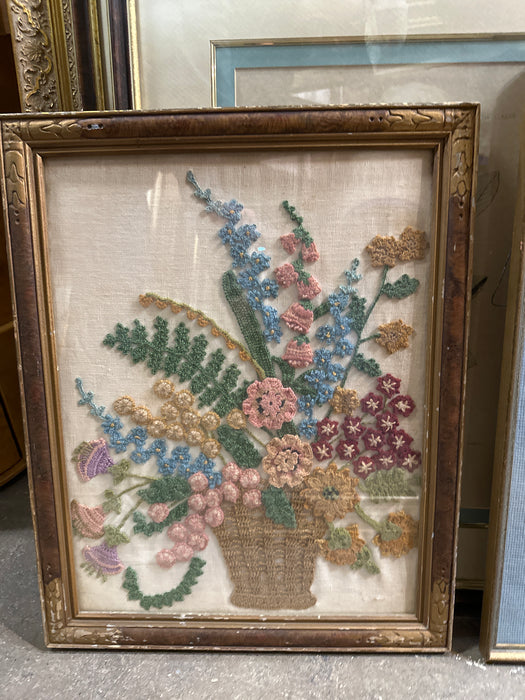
[(28, 670)]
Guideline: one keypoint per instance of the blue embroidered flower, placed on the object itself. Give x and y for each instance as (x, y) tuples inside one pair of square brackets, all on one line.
[(308, 427), (259, 262), (324, 393), (269, 288), (110, 424), (181, 456), (255, 299), (248, 279), (273, 334), (325, 333), (315, 377), (140, 456), (322, 358), (335, 372), (238, 254), (351, 276), (338, 302), (168, 467), (343, 347), (231, 210), (247, 233), (342, 327), (270, 317), (227, 234), (138, 435), (305, 404)]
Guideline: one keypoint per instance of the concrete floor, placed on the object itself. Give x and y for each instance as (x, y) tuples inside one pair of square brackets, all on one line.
[(29, 671)]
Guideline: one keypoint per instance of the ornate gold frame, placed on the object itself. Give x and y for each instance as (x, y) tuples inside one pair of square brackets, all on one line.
[(451, 133)]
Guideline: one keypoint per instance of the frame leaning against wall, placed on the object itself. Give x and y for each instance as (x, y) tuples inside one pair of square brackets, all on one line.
[(448, 135)]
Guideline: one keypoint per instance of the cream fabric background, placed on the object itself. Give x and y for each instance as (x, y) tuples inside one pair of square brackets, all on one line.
[(120, 225)]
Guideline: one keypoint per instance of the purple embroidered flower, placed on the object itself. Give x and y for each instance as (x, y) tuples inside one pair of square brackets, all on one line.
[(92, 458), (103, 560)]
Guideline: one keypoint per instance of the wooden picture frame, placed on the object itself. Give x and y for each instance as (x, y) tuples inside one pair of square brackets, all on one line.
[(503, 619), (102, 207)]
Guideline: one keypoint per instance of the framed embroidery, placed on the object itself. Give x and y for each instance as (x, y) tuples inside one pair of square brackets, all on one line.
[(242, 340)]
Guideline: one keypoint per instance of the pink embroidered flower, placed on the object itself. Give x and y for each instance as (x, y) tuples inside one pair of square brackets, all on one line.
[(386, 422), (249, 478), (327, 428), (182, 552), (213, 498), (388, 385), (214, 516), (195, 523), (269, 404), (309, 289), (347, 449), (352, 427), (322, 450), (310, 253), (288, 461), (197, 502), (297, 318), (371, 403), (363, 466), (198, 542), (398, 439), (403, 405), (252, 498), (286, 275), (88, 521), (289, 242), (166, 558), (198, 482), (177, 532), (230, 491), (298, 355), (231, 472), (374, 439), (410, 459), (386, 459), (158, 512)]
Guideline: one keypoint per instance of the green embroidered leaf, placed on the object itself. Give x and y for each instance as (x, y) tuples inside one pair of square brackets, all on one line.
[(149, 528), (287, 371), (178, 350), (159, 345), (287, 428), (195, 357), (401, 288), (139, 342), (247, 321), (114, 536), (119, 470), (387, 485), (112, 502), (239, 446), (278, 507), (301, 386), (169, 488), (364, 559), (161, 600), (356, 311), (322, 309), (368, 366)]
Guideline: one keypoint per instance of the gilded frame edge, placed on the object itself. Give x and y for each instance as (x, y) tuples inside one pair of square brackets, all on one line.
[(513, 340), (458, 123)]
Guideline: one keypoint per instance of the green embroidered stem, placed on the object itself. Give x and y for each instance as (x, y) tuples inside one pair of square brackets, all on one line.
[(129, 514), (300, 232), (149, 528), (387, 530), (239, 446), (370, 337), (254, 437), (161, 600), (247, 321), (136, 486)]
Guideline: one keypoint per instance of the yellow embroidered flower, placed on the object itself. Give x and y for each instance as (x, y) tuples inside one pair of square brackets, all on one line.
[(236, 419), (169, 411), (163, 388), (342, 545), (394, 335), (211, 448), (183, 399), (194, 437), (406, 541), (412, 244), (141, 415), (383, 251), (174, 431), (210, 421), (330, 493), (288, 461), (124, 405), (190, 419), (344, 400), (157, 427)]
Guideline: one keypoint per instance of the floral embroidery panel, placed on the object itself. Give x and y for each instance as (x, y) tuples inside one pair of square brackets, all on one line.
[(244, 416)]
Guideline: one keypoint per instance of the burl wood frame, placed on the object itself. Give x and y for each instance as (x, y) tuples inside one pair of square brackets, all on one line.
[(450, 132)]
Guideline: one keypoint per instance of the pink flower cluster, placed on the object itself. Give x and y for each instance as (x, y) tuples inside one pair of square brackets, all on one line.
[(235, 479), (371, 446)]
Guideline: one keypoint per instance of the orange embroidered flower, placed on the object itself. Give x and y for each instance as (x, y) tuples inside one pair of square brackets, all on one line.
[(412, 244), (331, 493), (383, 250), (406, 541), (342, 545), (344, 400), (288, 461), (394, 335)]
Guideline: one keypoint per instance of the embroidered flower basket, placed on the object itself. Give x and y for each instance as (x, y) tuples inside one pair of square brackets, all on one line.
[(271, 566)]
